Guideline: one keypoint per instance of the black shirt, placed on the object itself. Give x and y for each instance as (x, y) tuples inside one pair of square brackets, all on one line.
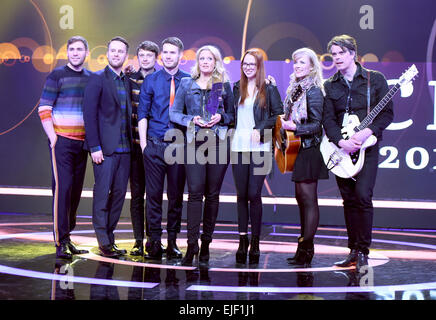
[(338, 93)]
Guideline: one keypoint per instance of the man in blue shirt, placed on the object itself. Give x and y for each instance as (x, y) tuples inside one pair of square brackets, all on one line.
[(156, 97)]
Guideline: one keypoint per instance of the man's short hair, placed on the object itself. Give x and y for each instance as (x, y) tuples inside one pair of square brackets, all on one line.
[(77, 38), (149, 46), (345, 42), (121, 39), (174, 41)]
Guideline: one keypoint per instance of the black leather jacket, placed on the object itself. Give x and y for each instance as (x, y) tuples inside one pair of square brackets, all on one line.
[(337, 93), (264, 118), (310, 130)]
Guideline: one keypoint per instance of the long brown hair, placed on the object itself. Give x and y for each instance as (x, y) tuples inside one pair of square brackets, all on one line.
[(260, 78)]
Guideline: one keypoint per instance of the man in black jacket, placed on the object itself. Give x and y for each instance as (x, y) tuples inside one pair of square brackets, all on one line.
[(107, 113), (346, 94)]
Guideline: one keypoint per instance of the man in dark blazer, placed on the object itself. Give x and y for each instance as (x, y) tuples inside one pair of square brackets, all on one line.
[(107, 113)]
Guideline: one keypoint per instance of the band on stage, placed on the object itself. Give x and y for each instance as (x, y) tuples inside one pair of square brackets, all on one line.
[(151, 126)]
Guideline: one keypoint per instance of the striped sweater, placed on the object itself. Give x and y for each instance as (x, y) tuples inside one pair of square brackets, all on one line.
[(61, 101)]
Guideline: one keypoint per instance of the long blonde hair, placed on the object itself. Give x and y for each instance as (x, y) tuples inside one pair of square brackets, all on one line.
[(219, 73), (315, 73)]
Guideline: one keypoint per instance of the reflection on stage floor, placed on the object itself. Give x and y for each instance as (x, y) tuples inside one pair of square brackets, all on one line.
[(401, 266)]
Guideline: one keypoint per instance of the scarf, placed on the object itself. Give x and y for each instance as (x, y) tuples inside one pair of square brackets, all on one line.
[(299, 107)]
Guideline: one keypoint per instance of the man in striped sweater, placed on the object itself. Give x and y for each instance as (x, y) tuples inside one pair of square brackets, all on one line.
[(61, 113)]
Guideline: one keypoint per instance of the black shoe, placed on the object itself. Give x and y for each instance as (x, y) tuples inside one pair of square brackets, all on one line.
[(74, 250), (241, 254), (138, 249), (254, 253), (121, 252), (204, 251), (190, 253), (63, 251), (362, 260), (148, 247), (155, 252), (108, 251), (351, 260), (305, 256), (173, 251), (297, 253)]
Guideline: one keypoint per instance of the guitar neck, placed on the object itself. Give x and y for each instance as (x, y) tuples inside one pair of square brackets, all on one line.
[(378, 108)]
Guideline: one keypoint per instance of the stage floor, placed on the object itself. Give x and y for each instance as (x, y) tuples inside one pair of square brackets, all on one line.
[(402, 266)]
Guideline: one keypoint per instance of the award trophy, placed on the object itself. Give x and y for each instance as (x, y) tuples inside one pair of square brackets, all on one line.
[(213, 102)]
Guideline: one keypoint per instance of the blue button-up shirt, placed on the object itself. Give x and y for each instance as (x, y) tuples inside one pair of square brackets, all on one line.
[(154, 101)]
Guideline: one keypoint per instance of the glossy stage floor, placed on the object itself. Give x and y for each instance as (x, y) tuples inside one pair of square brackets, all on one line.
[(402, 267)]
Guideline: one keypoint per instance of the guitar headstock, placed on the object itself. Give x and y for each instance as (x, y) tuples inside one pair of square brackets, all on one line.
[(297, 94), (408, 75)]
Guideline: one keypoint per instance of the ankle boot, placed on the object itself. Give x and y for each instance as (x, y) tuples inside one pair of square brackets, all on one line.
[(351, 259), (307, 251), (241, 254), (204, 251), (253, 255), (190, 253), (298, 252)]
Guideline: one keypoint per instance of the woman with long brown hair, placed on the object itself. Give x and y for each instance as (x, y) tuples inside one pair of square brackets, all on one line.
[(257, 105)]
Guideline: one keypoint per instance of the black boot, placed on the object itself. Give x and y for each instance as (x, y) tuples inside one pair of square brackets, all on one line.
[(241, 254), (155, 252), (204, 250), (306, 254), (138, 248), (172, 250), (253, 255), (362, 260), (297, 253), (190, 253), (351, 260)]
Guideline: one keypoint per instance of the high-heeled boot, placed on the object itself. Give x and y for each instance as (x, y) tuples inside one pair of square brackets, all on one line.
[(297, 253), (254, 253), (307, 251), (204, 250), (190, 253), (241, 254)]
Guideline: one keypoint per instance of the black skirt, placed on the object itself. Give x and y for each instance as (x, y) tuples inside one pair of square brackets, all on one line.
[(309, 165)]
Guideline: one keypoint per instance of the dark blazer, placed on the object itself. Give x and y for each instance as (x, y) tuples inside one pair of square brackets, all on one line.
[(102, 112), (264, 118)]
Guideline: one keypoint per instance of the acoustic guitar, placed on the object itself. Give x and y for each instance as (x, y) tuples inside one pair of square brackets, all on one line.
[(287, 144)]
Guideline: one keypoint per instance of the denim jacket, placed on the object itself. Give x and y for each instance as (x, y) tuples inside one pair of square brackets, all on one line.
[(189, 102)]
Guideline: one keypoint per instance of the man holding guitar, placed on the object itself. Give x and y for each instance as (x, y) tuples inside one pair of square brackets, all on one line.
[(354, 90)]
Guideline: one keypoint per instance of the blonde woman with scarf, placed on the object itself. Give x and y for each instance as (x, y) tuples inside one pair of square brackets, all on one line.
[(305, 121)]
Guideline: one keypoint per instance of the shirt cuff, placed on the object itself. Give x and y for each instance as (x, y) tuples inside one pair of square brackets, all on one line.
[(95, 149)]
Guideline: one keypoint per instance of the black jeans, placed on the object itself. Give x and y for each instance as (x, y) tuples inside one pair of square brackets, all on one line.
[(205, 180), (137, 189), (248, 189), (357, 196), (68, 173), (157, 168)]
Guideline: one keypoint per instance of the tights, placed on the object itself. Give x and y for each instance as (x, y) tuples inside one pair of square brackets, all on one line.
[(307, 199)]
